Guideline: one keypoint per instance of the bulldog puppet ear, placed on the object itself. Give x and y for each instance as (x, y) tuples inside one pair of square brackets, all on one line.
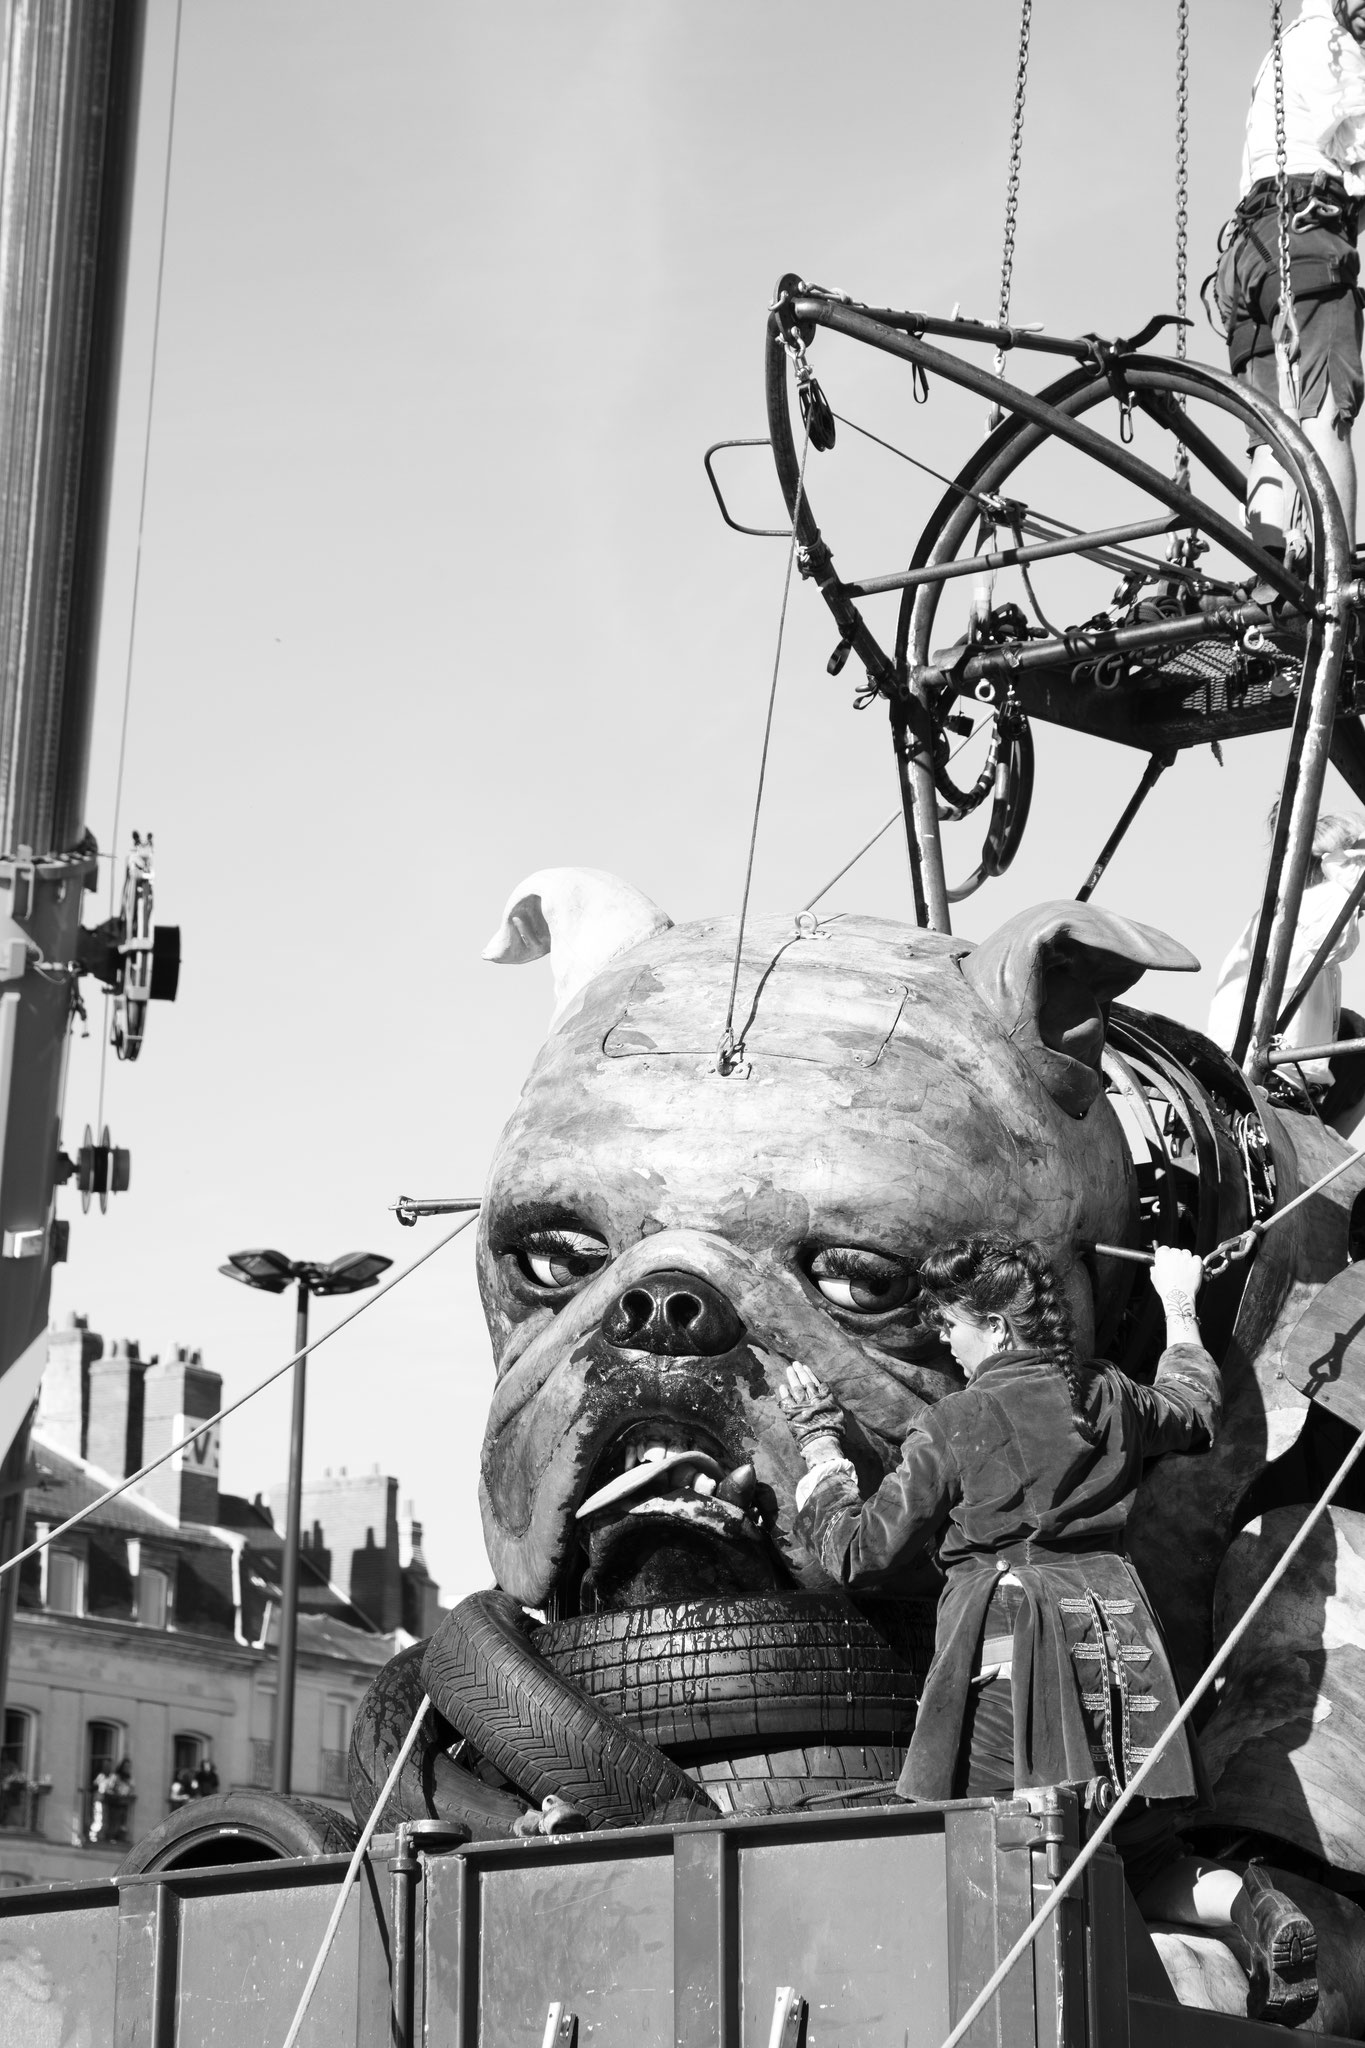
[(582, 916), (1050, 975)]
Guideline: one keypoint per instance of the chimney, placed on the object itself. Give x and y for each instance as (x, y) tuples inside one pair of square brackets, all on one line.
[(178, 1392), (113, 1433), (64, 1396), (356, 1521)]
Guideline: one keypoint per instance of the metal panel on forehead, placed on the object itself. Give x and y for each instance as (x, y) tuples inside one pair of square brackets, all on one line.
[(793, 1009)]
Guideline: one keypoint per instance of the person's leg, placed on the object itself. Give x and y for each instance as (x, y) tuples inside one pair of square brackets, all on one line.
[(1265, 501), (1275, 1942), (1330, 434), (1193, 1893)]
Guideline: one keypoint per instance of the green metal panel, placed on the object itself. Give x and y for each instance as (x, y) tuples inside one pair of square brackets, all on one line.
[(858, 1926), (57, 1974)]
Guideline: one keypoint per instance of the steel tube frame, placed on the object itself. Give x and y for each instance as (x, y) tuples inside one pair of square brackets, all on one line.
[(1008, 558), (1126, 375), (1300, 1053), (282, 1761), (1063, 427), (1319, 959), (1151, 774), (1084, 646)]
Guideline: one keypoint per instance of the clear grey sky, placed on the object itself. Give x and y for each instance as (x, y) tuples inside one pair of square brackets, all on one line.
[(434, 593)]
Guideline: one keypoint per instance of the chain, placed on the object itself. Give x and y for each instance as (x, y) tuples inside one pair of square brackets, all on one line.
[(1287, 339), (1012, 183), (1182, 171), (1016, 162)]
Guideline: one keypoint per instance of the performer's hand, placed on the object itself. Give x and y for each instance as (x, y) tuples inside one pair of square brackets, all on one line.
[(813, 1415), (1177, 1277)]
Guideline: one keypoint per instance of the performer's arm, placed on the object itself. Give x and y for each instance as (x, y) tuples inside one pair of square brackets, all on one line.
[(858, 1541)]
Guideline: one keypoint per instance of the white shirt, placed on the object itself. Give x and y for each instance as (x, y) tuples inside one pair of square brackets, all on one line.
[(1324, 104), (1316, 1020)]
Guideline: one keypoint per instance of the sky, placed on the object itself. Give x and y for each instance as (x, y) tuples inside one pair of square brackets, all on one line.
[(431, 590)]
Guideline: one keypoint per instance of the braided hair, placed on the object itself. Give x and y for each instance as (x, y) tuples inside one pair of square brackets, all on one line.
[(994, 1275)]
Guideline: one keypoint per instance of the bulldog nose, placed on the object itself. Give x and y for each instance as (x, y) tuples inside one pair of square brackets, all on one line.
[(675, 1315)]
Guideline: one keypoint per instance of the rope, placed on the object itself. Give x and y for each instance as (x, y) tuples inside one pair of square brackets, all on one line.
[(212, 1421), (357, 1857), (141, 526), (726, 1056), (1125, 1799)]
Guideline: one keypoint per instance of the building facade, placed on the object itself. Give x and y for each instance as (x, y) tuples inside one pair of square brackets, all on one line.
[(147, 1635)]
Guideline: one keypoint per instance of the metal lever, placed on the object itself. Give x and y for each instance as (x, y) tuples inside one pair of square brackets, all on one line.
[(561, 2028), (789, 2019), (409, 1207)]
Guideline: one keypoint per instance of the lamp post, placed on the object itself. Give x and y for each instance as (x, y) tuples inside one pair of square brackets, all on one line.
[(273, 1272)]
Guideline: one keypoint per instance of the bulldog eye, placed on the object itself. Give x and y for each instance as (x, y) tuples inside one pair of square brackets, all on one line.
[(560, 1258), (867, 1283)]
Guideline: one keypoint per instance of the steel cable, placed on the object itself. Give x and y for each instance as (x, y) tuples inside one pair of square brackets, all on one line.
[(357, 1858), (728, 1050), (212, 1421)]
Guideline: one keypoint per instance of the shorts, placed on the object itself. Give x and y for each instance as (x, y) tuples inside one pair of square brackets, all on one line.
[(1324, 267)]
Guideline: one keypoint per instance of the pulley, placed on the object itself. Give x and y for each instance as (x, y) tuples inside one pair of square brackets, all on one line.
[(136, 958)]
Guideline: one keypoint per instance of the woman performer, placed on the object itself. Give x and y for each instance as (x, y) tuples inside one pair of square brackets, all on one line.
[(1048, 1665)]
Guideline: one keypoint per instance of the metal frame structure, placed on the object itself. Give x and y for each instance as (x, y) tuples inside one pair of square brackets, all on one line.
[(1055, 676)]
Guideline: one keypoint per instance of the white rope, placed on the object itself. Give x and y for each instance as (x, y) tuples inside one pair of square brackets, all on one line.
[(1120, 1806), (212, 1421), (357, 1857)]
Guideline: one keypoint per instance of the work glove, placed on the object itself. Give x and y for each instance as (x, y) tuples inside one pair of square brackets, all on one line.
[(813, 1416)]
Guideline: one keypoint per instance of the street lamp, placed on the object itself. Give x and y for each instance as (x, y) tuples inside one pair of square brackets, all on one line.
[(273, 1272)]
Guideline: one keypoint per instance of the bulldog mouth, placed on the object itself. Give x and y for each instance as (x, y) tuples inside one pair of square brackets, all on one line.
[(668, 1515)]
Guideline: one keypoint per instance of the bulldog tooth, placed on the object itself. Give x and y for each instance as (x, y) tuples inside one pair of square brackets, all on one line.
[(703, 1483), (738, 1486), (632, 1456), (652, 1453), (649, 1473)]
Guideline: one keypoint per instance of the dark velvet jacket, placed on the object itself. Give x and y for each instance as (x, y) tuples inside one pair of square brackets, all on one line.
[(1005, 1480)]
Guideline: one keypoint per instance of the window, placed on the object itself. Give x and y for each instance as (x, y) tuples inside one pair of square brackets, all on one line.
[(65, 1582), (336, 1729), (262, 1737), (153, 1597), (110, 1794), (186, 1754), (18, 1791)]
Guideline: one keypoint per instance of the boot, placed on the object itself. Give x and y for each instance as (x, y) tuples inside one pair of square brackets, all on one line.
[(1277, 1946)]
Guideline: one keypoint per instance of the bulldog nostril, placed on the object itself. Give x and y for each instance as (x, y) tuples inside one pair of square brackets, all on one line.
[(682, 1310), (636, 1309), (677, 1315)]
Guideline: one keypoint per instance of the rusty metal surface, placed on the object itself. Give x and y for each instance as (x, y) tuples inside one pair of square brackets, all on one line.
[(885, 1921), (57, 1972)]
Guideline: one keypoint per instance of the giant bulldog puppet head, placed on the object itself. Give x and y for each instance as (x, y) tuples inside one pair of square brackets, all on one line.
[(659, 1237)]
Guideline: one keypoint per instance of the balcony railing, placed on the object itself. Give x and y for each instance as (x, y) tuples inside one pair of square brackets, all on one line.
[(115, 1820), (262, 1763), (21, 1805), (334, 1773)]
